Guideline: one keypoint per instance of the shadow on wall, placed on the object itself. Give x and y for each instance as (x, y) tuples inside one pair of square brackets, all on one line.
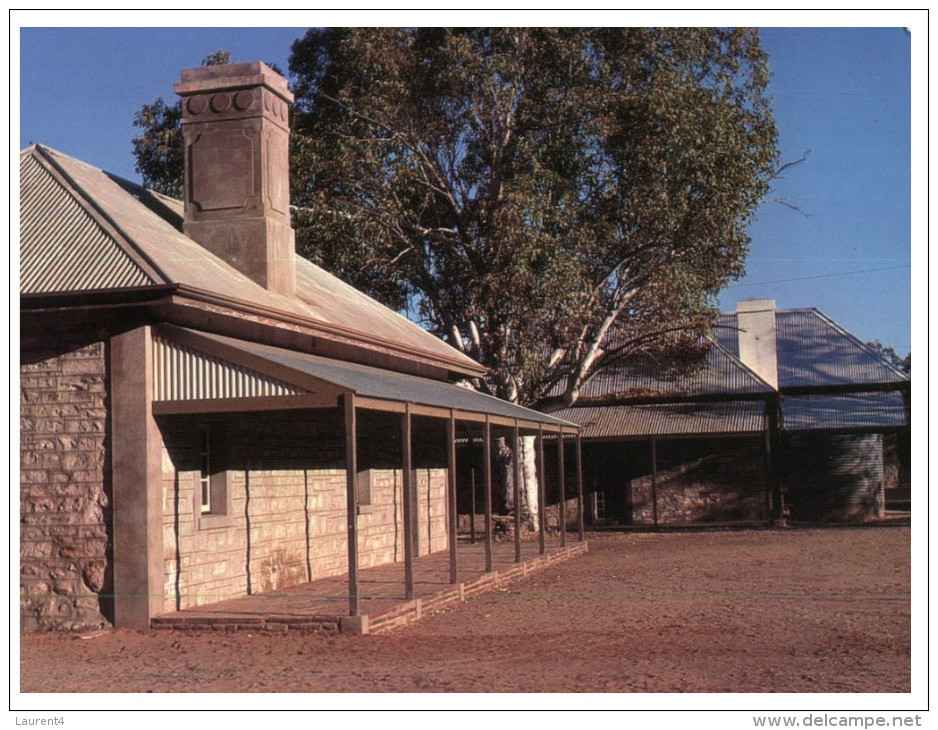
[(258, 502), (689, 481), (835, 477)]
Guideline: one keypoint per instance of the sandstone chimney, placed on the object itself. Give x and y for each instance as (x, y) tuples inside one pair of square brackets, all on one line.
[(758, 338), (237, 187)]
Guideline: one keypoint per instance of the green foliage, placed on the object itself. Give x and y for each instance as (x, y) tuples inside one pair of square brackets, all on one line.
[(216, 58), (529, 193), (159, 148), (889, 355)]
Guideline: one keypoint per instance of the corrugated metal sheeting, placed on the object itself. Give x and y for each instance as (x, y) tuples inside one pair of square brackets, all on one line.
[(62, 247), (856, 410), (370, 382), (835, 476), (181, 373), (814, 351), (721, 374), (667, 419)]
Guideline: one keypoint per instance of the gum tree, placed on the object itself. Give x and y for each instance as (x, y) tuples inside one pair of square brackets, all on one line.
[(549, 201), (529, 193)]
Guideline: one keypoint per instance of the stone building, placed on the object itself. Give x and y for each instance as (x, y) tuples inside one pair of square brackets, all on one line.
[(203, 413), (790, 415)]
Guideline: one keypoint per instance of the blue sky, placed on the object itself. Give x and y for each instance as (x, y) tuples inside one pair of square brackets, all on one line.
[(843, 93), (844, 97)]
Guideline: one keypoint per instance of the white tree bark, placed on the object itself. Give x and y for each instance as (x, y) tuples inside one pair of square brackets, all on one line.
[(529, 477)]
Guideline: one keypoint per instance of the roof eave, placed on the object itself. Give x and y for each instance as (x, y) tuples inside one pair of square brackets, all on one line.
[(458, 363), (172, 300), (34, 301)]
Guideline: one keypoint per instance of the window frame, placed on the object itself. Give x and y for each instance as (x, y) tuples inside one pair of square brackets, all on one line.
[(205, 470), (599, 505), (212, 482), (364, 490)]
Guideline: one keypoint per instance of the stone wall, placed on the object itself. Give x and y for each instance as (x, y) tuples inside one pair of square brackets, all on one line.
[(571, 513), (64, 490), (285, 520), (702, 480), (287, 505), (430, 514)]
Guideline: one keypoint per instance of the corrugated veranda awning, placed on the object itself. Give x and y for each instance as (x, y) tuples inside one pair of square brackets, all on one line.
[(669, 419), (198, 372)]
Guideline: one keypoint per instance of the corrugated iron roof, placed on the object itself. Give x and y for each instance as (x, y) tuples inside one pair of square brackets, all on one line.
[(815, 351), (726, 332), (643, 375), (370, 382), (62, 246), (667, 419), (148, 228), (812, 351), (859, 410), (181, 373)]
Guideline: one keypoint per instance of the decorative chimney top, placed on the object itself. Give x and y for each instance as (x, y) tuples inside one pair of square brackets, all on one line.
[(758, 337), (237, 177)]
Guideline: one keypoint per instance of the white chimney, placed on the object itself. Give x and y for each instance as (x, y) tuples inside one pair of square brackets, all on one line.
[(758, 337)]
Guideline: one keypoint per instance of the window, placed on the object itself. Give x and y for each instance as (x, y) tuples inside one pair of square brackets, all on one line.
[(205, 477), (599, 503), (212, 494), (363, 488)]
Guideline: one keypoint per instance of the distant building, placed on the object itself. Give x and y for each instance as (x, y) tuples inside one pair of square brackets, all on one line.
[(790, 412), (203, 413)]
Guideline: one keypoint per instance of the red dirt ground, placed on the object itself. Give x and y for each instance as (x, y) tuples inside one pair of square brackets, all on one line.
[(798, 610)]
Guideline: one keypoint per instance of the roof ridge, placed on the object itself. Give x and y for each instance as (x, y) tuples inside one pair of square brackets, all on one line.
[(778, 310), (736, 361), (123, 241)]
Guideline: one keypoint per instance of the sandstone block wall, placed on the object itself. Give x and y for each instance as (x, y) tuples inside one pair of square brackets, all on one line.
[(571, 513), (431, 510), (287, 516), (64, 490)]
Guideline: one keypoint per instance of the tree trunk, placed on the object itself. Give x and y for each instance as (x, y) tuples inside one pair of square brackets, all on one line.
[(505, 478), (529, 480), (504, 474)]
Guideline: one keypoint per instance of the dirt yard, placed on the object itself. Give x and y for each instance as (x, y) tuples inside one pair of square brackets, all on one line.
[(798, 610)]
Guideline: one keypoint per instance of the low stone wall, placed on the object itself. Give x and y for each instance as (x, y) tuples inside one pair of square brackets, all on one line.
[(702, 481), (414, 610), (64, 492)]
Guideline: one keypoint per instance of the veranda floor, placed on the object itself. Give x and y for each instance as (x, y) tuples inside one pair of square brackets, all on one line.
[(323, 605)]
